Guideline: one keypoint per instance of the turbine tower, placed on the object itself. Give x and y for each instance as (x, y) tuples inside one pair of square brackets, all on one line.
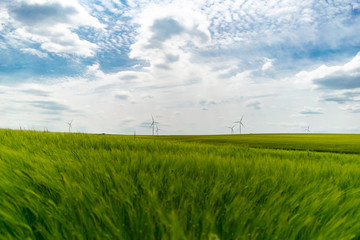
[(232, 129), (157, 130), (153, 125), (70, 125), (307, 129), (240, 123)]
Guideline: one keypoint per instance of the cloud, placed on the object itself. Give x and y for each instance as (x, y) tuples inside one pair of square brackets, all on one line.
[(4, 16), (128, 120), (51, 106), (311, 111), (172, 58), (342, 97), (145, 125), (166, 30), (298, 35), (123, 95), (62, 41), (352, 108), (231, 72), (128, 77), (336, 77), (52, 25), (208, 102), (355, 9), (348, 99), (339, 80), (36, 92), (35, 52), (277, 21), (162, 30), (42, 14), (267, 65), (162, 66), (255, 105)]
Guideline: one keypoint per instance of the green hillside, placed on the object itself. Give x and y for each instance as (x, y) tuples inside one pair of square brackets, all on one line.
[(82, 186)]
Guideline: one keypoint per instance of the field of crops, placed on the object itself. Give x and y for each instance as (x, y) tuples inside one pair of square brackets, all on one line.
[(82, 186), (339, 143)]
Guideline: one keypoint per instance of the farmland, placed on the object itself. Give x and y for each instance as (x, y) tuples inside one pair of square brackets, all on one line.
[(83, 186), (337, 143)]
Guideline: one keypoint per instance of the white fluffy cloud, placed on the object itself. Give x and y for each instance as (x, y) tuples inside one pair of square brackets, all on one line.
[(34, 52), (267, 65), (166, 30), (338, 84), (346, 76), (52, 24)]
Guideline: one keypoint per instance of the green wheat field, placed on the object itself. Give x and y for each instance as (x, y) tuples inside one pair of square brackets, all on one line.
[(87, 186)]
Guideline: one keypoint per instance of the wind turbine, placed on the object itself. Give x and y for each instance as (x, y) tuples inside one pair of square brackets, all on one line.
[(153, 125), (157, 130), (307, 129), (240, 123), (232, 129), (70, 125)]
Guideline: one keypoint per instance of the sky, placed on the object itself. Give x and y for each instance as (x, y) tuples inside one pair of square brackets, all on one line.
[(195, 66)]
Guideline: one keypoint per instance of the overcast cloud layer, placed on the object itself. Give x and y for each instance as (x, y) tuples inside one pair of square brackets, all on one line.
[(196, 66)]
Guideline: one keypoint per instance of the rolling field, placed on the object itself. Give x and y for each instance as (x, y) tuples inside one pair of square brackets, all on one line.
[(339, 143), (82, 186)]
